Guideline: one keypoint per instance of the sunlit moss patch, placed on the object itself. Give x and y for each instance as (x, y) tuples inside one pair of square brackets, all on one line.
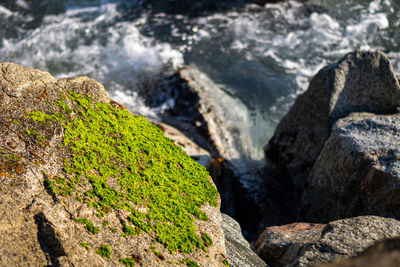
[(88, 225), (104, 251), (121, 161), (190, 263), (127, 262)]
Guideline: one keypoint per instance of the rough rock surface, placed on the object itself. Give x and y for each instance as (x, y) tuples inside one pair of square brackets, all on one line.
[(358, 171), (385, 253), (197, 153), (303, 244), (280, 245), (360, 82), (238, 249), (38, 222)]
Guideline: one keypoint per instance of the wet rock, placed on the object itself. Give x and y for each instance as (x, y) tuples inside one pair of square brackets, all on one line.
[(62, 199), (358, 171), (385, 253), (238, 249), (360, 82), (305, 244)]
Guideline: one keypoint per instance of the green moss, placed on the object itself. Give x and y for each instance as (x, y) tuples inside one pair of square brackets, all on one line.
[(130, 165), (156, 252), (190, 263), (225, 262), (127, 262), (49, 185), (31, 132), (63, 187), (105, 223), (129, 230), (14, 121), (12, 156), (89, 225), (39, 139), (206, 240), (104, 251), (85, 245)]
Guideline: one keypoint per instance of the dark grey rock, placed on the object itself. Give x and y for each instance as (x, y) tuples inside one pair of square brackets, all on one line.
[(360, 82), (348, 237), (358, 171), (238, 249), (337, 240), (385, 253)]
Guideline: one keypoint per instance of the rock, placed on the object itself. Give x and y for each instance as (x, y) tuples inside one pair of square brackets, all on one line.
[(360, 82), (238, 249), (358, 171), (84, 181), (279, 245), (385, 253), (305, 244)]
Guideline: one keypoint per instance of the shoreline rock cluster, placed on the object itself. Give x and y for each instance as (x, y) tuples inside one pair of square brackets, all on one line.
[(335, 154), (332, 159)]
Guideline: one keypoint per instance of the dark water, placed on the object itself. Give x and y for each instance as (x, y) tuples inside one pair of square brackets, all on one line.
[(258, 57)]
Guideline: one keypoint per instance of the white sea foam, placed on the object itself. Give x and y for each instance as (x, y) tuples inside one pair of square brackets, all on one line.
[(114, 53), (4, 11)]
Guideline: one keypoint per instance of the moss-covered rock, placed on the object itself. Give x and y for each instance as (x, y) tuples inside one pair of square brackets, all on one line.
[(77, 168)]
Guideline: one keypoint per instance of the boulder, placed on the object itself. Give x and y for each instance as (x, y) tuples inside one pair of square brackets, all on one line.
[(279, 245), (360, 82), (385, 253), (84, 181), (303, 244), (358, 171), (238, 249)]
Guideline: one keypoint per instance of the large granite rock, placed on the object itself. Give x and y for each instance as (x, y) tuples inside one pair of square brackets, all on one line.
[(385, 253), (84, 182), (238, 249), (358, 170), (305, 244), (360, 82)]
